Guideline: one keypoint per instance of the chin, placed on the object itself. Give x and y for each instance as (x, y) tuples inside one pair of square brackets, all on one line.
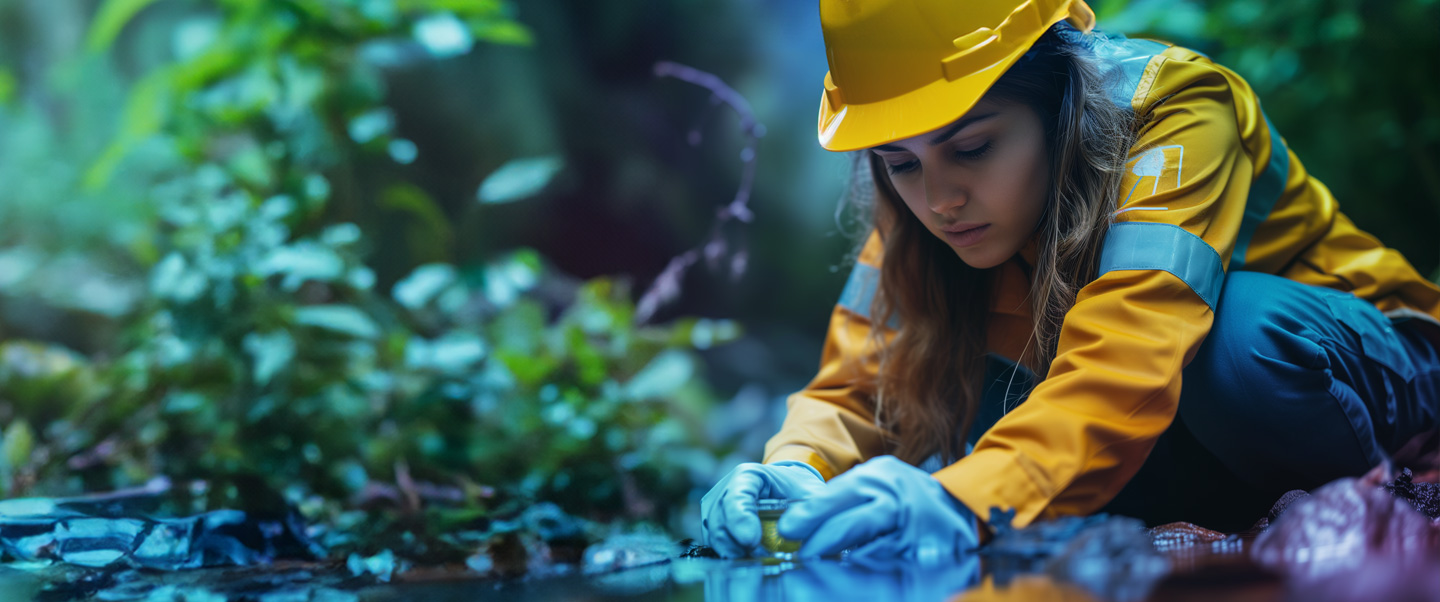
[(980, 260)]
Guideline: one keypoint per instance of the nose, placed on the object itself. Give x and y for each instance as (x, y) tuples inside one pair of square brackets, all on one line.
[(942, 194)]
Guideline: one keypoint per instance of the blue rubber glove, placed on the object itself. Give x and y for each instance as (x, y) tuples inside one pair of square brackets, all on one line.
[(889, 509), (727, 513)]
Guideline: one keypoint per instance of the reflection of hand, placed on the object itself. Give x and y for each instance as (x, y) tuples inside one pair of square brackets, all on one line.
[(728, 517), (888, 508), (837, 580), (879, 580)]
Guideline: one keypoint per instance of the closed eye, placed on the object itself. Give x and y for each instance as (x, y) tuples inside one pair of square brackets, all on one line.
[(964, 155), (901, 168), (974, 153)]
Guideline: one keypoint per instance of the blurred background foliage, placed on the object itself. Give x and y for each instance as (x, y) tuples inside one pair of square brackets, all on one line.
[(379, 258)]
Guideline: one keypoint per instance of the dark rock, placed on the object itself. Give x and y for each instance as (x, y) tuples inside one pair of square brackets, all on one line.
[(1425, 497), (696, 550), (1284, 502)]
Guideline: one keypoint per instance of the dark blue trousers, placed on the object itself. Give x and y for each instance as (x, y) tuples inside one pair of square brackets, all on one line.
[(1294, 386)]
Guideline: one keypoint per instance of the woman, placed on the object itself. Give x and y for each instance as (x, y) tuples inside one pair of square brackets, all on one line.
[(1116, 215)]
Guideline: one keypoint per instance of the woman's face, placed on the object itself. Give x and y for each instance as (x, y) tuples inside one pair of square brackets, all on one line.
[(979, 184)]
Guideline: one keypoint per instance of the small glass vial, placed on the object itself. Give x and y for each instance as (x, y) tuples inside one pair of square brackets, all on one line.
[(770, 539)]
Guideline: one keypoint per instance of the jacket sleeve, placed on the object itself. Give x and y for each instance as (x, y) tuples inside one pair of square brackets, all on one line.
[(831, 423), (1114, 385)]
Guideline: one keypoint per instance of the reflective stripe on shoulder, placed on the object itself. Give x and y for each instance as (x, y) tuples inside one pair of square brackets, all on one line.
[(1130, 57), (1166, 247), (1265, 191), (860, 291)]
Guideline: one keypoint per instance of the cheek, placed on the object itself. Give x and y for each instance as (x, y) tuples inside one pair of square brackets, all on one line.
[(910, 194), (1029, 183)]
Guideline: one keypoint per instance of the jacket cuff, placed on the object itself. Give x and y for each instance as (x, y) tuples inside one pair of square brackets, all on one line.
[(993, 478), (802, 454)]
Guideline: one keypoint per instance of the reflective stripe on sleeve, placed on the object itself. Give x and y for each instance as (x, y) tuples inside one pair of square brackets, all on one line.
[(1265, 191), (1167, 247)]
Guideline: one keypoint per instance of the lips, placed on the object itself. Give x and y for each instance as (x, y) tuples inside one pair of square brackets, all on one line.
[(962, 227), (965, 235)]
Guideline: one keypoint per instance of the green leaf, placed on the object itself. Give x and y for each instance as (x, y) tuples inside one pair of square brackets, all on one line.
[(423, 284), (19, 443), (484, 7), (665, 374), (110, 19), (506, 280), (342, 319), (452, 354), (173, 278), (300, 262), (443, 35), (370, 125), (271, 352), (184, 402), (144, 113), (529, 370), (519, 328), (503, 32), (705, 333), (430, 233), (519, 179), (7, 86)]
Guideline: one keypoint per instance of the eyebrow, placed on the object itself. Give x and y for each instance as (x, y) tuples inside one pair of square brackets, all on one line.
[(945, 135)]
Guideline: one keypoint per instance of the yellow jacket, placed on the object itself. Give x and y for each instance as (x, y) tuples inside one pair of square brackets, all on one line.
[(1211, 187)]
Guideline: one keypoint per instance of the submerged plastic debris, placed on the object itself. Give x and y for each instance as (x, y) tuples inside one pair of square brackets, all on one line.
[(96, 532)]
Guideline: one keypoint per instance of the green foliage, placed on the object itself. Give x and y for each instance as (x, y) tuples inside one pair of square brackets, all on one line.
[(113, 16), (261, 350)]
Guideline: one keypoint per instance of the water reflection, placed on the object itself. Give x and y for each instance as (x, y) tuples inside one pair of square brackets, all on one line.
[(1027, 588), (692, 579), (834, 580)]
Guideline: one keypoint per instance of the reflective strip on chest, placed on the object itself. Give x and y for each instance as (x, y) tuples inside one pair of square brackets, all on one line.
[(1165, 247)]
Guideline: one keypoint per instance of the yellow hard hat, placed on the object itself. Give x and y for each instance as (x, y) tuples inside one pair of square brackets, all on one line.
[(899, 68)]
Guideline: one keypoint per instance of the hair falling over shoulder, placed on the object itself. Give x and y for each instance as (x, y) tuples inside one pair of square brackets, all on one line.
[(932, 370)]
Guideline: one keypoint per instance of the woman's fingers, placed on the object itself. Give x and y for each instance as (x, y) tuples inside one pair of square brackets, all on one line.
[(732, 524), (746, 483), (878, 551), (802, 519), (859, 524), (738, 512)]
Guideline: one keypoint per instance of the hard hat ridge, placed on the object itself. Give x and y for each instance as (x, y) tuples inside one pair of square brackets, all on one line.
[(884, 82)]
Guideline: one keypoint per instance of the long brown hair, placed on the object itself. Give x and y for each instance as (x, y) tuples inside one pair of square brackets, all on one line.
[(932, 371)]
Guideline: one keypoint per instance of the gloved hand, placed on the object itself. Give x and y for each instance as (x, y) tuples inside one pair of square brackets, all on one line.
[(889, 509), (727, 513)]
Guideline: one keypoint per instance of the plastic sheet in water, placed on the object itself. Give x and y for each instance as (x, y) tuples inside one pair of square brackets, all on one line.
[(80, 532)]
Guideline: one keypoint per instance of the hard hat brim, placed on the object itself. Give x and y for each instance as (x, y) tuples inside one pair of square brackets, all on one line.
[(860, 126)]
